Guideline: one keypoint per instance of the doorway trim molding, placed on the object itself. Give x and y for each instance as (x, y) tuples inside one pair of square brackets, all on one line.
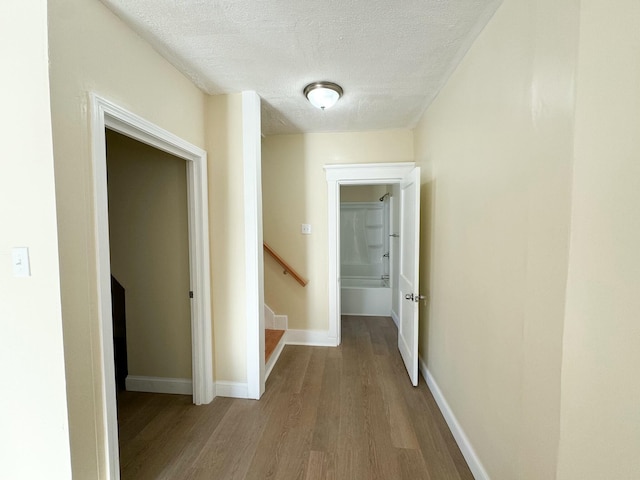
[(106, 114), (254, 261), (350, 174)]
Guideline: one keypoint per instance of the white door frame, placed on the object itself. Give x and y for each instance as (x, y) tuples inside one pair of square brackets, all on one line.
[(254, 253), (106, 114), (352, 174)]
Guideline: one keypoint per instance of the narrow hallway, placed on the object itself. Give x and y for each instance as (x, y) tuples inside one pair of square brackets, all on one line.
[(328, 413)]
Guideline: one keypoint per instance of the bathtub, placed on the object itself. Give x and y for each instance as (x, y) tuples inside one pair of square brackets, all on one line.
[(365, 296)]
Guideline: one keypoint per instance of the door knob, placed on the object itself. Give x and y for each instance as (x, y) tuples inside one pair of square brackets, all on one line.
[(416, 298)]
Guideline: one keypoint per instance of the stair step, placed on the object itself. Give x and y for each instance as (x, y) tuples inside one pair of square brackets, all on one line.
[(271, 339)]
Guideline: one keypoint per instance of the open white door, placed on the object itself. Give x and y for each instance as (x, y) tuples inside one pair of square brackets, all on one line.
[(409, 261)]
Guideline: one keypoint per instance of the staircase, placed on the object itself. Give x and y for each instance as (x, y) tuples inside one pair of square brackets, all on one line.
[(277, 325), (119, 333), (275, 328), (271, 340)]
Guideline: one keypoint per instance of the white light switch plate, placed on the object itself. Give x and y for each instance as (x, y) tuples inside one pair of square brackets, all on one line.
[(305, 229), (20, 260)]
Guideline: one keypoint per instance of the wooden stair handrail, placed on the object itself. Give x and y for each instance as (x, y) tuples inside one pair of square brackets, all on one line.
[(287, 268)]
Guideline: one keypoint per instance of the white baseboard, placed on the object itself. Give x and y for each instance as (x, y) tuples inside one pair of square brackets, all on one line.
[(470, 455), (376, 314), (394, 317), (273, 358), (232, 389), (274, 321), (182, 386), (268, 317), (312, 338)]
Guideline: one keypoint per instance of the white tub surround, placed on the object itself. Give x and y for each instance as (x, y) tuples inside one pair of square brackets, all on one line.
[(365, 296), (364, 253)]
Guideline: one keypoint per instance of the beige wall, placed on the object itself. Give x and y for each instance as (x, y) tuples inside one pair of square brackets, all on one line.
[(226, 223), (149, 242), (600, 426), (295, 192), (363, 193), (497, 148), (34, 433), (92, 50)]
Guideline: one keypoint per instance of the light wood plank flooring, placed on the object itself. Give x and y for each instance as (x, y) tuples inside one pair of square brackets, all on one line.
[(346, 413)]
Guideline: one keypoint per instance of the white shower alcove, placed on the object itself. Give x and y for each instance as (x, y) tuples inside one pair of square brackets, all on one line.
[(365, 250)]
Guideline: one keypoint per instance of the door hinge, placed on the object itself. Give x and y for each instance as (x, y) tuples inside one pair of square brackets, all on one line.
[(190, 293)]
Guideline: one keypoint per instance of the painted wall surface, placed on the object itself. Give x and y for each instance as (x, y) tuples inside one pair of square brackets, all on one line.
[(496, 147), (34, 432), (92, 50), (295, 192), (600, 421), (226, 223), (362, 193), (149, 242)]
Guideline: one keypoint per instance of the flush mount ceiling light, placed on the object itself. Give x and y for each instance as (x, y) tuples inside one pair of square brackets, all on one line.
[(323, 95)]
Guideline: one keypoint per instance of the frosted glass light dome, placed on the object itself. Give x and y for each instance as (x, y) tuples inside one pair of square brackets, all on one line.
[(323, 95)]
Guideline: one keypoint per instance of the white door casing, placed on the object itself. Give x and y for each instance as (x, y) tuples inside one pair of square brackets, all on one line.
[(409, 272), (105, 114), (254, 262), (351, 174)]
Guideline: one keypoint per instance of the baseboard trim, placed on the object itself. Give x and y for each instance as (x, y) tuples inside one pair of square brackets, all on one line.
[(271, 320), (311, 338), (232, 389), (378, 314), (470, 455), (274, 358), (181, 386), (268, 317), (394, 317)]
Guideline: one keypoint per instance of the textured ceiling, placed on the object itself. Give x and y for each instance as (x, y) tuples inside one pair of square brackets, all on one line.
[(391, 57)]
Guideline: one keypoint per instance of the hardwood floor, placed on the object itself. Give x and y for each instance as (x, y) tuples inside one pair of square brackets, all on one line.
[(271, 339), (346, 413)]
